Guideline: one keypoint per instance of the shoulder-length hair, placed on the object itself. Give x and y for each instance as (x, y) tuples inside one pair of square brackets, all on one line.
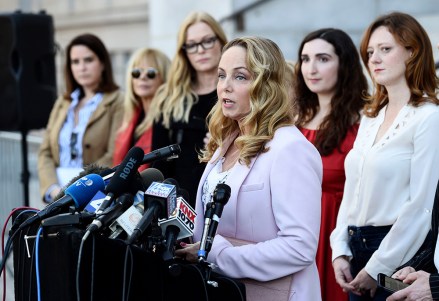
[(420, 71), (349, 97), (270, 107), (174, 100), (92, 42), (131, 101)]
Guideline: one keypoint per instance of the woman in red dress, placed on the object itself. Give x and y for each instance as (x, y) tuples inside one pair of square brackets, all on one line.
[(329, 93)]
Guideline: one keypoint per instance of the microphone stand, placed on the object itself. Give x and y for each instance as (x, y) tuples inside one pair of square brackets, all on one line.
[(207, 268)]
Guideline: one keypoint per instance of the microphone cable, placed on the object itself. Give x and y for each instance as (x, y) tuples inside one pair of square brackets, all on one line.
[(6, 251), (125, 290), (37, 263), (78, 268)]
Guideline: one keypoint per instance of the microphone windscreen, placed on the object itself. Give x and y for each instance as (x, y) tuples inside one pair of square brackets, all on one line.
[(172, 182), (150, 175), (88, 169), (184, 194), (125, 171), (83, 190)]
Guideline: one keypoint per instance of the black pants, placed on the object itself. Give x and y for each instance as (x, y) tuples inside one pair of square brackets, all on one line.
[(363, 242)]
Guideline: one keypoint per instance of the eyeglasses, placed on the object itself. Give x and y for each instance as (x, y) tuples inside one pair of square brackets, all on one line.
[(74, 152), (150, 72), (206, 44)]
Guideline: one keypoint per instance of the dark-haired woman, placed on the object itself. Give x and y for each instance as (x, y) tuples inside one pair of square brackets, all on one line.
[(329, 88), (83, 122)]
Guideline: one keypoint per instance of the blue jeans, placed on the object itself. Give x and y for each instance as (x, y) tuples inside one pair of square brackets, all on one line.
[(363, 242)]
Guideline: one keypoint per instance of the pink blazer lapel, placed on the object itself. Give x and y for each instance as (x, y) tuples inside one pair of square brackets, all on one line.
[(235, 179)]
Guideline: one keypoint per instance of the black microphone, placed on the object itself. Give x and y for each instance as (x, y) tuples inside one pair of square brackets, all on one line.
[(221, 196), (110, 214), (167, 152), (125, 224), (179, 225), (77, 194), (77, 218), (160, 201), (122, 178)]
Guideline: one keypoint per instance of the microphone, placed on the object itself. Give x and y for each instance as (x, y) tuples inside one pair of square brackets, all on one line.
[(77, 194), (178, 226), (110, 214), (221, 196), (81, 218), (122, 177), (130, 218), (160, 199), (167, 152)]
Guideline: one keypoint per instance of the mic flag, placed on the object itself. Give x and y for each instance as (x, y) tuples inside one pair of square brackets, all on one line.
[(77, 194), (183, 217), (178, 226), (160, 201), (131, 217)]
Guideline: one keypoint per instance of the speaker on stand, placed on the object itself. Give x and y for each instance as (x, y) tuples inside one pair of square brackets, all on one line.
[(27, 77)]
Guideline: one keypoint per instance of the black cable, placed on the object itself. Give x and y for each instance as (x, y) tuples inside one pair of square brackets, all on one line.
[(31, 269), (7, 251), (234, 284), (124, 289), (206, 294), (78, 267), (92, 273)]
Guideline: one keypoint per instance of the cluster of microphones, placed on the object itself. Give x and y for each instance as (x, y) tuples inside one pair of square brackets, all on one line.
[(143, 209)]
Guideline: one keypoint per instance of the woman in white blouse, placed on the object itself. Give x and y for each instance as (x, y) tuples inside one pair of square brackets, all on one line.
[(393, 168)]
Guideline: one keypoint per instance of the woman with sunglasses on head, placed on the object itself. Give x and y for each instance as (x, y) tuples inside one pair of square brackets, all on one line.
[(147, 71), (180, 107), (83, 122)]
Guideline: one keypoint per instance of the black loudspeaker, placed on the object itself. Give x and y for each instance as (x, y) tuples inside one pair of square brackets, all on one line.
[(27, 70)]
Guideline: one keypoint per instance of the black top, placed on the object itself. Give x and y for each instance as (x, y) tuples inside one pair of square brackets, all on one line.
[(186, 169)]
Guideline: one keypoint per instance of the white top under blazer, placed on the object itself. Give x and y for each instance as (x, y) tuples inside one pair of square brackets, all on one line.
[(391, 182)]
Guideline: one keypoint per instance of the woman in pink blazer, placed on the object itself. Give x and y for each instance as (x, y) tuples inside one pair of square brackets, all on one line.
[(269, 229)]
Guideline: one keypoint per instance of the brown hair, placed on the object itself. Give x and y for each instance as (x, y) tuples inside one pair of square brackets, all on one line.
[(350, 91), (420, 71), (92, 42)]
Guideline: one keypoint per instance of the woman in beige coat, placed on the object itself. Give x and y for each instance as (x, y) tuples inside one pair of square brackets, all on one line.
[(83, 122)]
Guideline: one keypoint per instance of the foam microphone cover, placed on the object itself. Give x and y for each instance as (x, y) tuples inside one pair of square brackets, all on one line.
[(125, 172), (88, 169), (150, 175)]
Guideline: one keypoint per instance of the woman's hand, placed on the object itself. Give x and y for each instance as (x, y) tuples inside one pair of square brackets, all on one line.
[(342, 273), (363, 282), (402, 273), (188, 251)]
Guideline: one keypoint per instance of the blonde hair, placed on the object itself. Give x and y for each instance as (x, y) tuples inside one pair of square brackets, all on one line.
[(174, 100), (270, 107), (132, 102)]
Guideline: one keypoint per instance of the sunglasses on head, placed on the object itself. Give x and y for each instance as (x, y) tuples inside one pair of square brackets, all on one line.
[(151, 73)]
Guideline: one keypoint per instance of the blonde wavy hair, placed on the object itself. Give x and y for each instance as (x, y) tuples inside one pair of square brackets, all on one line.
[(132, 102), (270, 106), (174, 100)]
